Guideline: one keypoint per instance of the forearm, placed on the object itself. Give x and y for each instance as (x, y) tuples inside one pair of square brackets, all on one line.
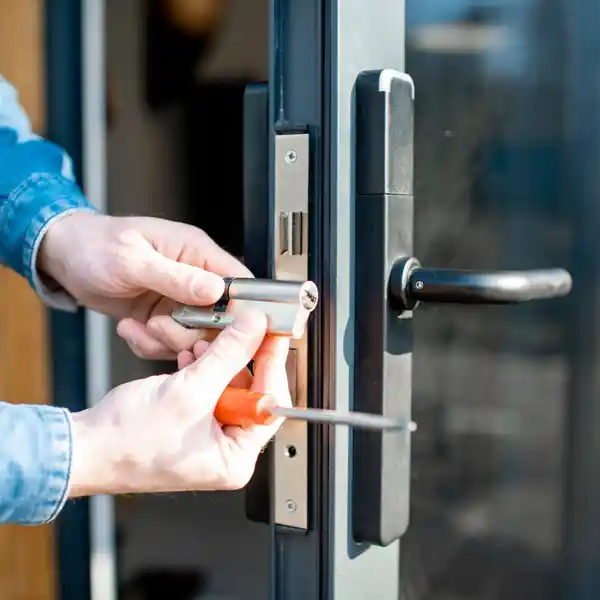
[(37, 186), (48, 455), (35, 462)]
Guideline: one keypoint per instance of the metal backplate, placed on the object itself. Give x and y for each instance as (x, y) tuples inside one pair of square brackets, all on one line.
[(291, 262), (383, 336)]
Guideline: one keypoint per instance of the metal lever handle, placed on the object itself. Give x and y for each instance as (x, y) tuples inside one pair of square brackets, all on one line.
[(410, 284)]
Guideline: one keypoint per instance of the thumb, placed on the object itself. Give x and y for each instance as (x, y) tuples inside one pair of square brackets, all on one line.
[(270, 377), (179, 281), (231, 351)]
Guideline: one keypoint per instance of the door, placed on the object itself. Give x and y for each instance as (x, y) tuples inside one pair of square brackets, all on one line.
[(491, 496), (484, 112)]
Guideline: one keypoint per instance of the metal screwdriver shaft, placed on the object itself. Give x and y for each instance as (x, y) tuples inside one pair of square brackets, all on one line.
[(244, 408), (336, 417)]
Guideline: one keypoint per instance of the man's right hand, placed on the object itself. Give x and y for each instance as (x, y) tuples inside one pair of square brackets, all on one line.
[(160, 435)]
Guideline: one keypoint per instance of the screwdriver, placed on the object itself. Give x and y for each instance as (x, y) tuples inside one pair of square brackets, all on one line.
[(244, 408)]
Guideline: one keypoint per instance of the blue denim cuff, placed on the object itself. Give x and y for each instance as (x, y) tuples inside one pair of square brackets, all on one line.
[(24, 219), (36, 462)]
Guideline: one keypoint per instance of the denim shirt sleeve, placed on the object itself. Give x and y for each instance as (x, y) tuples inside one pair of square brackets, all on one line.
[(37, 186), (35, 462)]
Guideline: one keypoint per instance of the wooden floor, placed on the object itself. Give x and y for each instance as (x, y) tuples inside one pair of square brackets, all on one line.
[(27, 569)]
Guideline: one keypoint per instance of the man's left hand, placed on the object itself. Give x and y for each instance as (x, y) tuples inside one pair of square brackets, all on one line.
[(135, 269)]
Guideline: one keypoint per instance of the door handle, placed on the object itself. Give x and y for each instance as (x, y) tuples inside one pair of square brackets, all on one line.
[(409, 284), (389, 283)]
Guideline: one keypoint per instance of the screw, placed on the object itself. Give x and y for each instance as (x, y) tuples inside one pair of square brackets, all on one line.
[(419, 285), (291, 156), (291, 505), (216, 318)]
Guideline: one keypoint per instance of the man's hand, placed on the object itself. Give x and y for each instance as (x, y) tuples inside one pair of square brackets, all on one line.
[(134, 269), (159, 434)]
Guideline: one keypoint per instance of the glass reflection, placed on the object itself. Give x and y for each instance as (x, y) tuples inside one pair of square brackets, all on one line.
[(491, 385)]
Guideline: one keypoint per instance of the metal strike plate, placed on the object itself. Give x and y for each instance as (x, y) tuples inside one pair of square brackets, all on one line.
[(290, 260)]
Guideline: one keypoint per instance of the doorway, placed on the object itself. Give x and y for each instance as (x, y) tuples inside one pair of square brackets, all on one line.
[(174, 150)]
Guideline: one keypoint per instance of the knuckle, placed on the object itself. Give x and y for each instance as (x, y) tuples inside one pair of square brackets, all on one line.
[(181, 278), (226, 358), (172, 337), (127, 238), (234, 339), (119, 258), (136, 349), (156, 325)]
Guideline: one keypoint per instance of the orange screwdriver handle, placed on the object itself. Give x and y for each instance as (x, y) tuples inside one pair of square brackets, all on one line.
[(243, 408)]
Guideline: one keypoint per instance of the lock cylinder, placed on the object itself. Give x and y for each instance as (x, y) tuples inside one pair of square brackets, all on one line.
[(304, 293), (286, 304)]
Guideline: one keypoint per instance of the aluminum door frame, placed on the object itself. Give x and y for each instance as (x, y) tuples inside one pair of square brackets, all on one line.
[(75, 82), (98, 327), (67, 330), (317, 49)]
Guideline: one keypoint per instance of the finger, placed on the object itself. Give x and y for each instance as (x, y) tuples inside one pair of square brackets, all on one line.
[(149, 349), (181, 282), (231, 351), (270, 374), (162, 306), (242, 380), (217, 260), (184, 359), (270, 377), (174, 336), (187, 357), (141, 343)]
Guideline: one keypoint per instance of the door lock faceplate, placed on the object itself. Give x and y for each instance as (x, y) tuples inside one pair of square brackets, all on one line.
[(289, 260)]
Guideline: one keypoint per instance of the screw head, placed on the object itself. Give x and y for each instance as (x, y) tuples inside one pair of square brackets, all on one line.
[(291, 506), (419, 285), (216, 318), (291, 156)]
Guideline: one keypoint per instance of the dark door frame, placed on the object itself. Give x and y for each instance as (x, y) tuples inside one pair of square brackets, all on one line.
[(68, 353), (318, 48)]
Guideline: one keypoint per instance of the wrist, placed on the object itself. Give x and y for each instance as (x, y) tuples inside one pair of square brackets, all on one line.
[(97, 465), (52, 261)]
